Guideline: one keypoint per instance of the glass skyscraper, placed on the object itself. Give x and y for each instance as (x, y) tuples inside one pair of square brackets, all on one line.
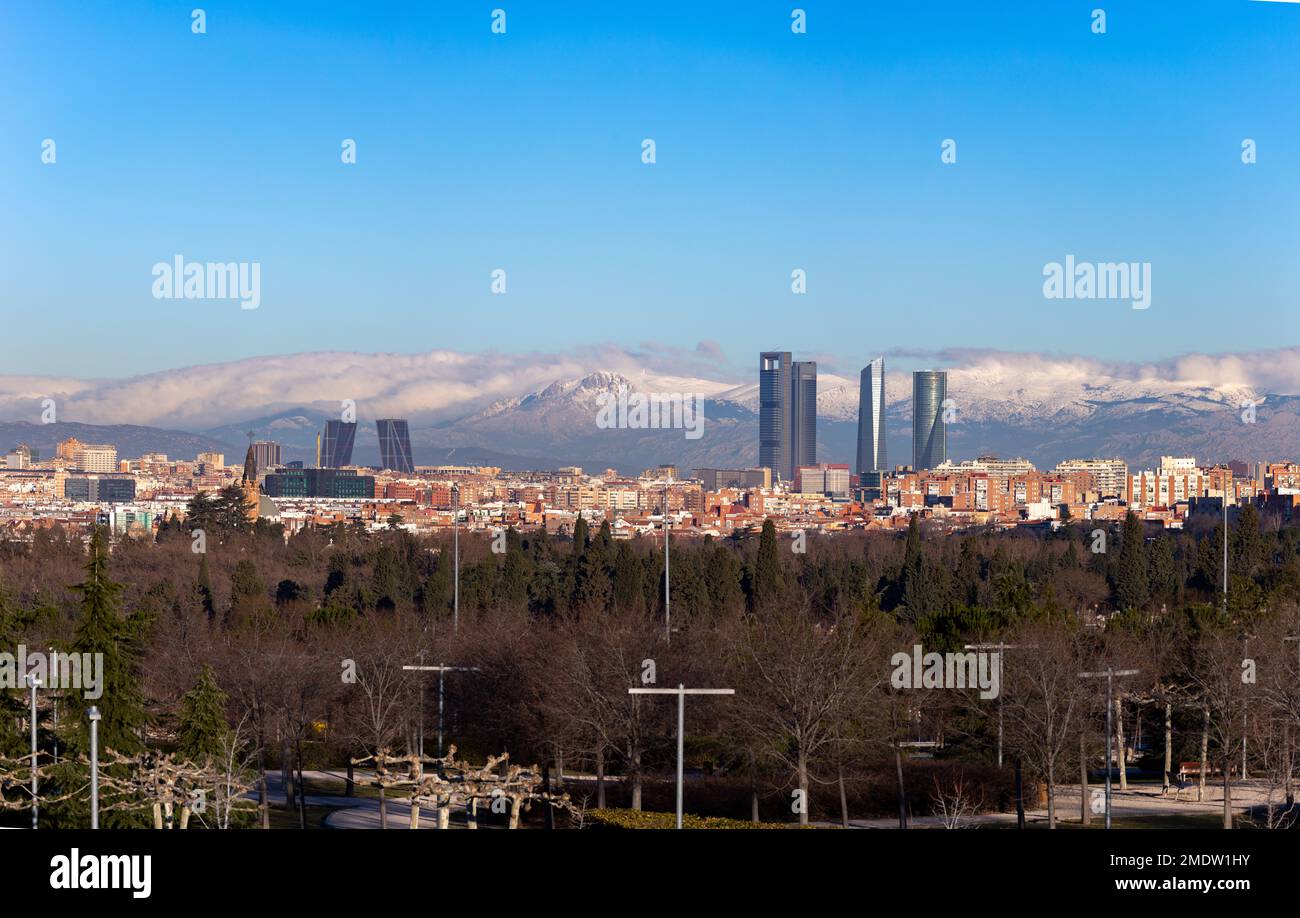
[(803, 426), (395, 445), (336, 447), (787, 413), (774, 415), (929, 432), (872, 455)]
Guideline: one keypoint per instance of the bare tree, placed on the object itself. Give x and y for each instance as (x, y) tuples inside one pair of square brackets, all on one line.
[(1043, 701), (798, 682)]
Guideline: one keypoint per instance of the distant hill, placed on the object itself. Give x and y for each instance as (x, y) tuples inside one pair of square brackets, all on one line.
[(131, 440)]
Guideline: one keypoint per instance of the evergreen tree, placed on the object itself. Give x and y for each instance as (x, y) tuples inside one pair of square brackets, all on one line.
[(767, 579), (248, 596), (102, 630), (203, 726), (1247, 546), (579, 536), (629, 585), (1131, 586)]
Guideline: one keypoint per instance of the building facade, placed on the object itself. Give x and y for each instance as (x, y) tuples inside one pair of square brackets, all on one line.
[(336, 447), (395, 445)]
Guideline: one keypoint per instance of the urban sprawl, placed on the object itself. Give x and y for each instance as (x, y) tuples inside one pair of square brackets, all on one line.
[(84, 485)]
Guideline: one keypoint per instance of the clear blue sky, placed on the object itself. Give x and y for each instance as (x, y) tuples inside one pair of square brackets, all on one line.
[(522, 151)]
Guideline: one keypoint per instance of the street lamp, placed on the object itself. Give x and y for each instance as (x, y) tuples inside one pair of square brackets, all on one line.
[(94, 766), (455, 603), (1109, 675), (668, 618), (441, 671), (35, 682), (681, 692)]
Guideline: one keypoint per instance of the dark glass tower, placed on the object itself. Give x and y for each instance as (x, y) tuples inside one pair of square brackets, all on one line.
[(803, 427), (395, 445), (336, 446), (872, 455), (787, 413), (774, 414), (929, 432)]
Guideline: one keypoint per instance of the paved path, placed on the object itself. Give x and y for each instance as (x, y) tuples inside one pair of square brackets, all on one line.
[(349, 812), (1140, 800)]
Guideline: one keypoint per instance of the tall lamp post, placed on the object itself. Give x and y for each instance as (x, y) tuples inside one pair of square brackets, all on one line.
[(681, 692), (94, 767), (1109, 675), (441, 671), (455, 603), (668, 618), (35, 683)]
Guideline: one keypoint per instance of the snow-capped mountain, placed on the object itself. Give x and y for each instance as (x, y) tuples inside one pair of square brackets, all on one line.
[(541, 410)]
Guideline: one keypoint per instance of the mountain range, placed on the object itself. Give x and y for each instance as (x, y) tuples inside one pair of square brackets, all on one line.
[(540, 411)]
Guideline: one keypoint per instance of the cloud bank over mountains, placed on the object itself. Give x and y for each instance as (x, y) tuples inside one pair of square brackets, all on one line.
[(441, 387)]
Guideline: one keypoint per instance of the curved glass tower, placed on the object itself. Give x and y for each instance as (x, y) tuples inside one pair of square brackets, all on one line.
[(929, 432), (872, 455)]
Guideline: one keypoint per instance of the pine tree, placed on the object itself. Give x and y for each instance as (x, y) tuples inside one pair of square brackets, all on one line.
[(579, 536), (203, 726), (629, 586), (1131, 586), (766, 587), (1247, 543), (102, 630)]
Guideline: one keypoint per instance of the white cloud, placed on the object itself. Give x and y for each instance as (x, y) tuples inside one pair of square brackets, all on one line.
[(444, 385)]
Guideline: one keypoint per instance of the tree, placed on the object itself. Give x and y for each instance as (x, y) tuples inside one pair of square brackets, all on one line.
[(1042, 696), (798, 684), (1131, 587), (766, 582), (104, 634), (201, 734)]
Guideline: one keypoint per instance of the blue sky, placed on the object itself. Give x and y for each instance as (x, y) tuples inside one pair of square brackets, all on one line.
[(522, 151)]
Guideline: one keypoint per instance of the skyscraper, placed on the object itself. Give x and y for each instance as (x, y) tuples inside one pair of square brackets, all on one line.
[(267, 453), (929, 432), (787, 413), (336, 447), (395, 445), (774, 414), (872, 455), (803, 427)]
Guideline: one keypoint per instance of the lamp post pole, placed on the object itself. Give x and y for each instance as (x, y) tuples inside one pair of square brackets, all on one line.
[(94, 767), (1109, 675), (681, 692), (668, 618), (35, 683), (455, 607), (441, 671)]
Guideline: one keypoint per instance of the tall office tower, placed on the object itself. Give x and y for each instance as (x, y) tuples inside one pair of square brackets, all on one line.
[(787, 413), (929, 432), (774, 413), (803, 427), (872, 455), (336, 447), (395, 445), (267, 454)]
